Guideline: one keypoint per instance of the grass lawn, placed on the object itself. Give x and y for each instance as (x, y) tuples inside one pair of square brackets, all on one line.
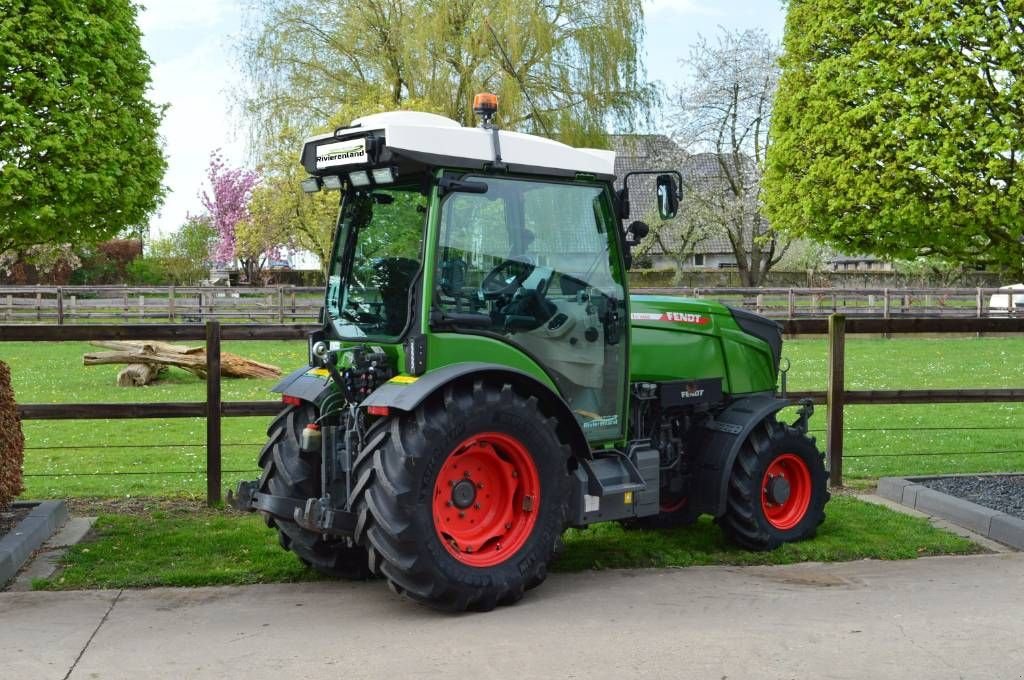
[(927, 438), (195, 546), (133, 458)]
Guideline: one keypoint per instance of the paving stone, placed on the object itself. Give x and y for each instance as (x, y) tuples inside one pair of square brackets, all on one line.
[(892, 487), (1008, 530), (964, 513)]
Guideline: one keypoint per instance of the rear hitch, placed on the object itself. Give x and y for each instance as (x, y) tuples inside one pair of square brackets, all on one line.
[(242, 499), (803, 415), (319, 517)]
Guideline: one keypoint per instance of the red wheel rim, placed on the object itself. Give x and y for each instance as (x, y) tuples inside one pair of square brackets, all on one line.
[(673, 505), (790, 473), (486, 499)]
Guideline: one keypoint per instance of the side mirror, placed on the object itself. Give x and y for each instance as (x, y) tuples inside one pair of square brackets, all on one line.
[(668, 196)]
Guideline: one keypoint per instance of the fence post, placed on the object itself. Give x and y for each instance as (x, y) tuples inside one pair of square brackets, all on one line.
[(280, 305), (60, 306), (978, 304), (792, 304), (213, 413), (886, 302), (835, 396), (170, 305)]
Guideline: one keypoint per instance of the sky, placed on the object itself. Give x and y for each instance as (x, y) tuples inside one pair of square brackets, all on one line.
[(195, 70)]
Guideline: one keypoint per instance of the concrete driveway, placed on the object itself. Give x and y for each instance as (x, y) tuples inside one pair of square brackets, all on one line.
[(945, 617)]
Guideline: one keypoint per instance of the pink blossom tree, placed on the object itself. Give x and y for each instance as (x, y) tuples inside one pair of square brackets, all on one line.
[(227, 202)]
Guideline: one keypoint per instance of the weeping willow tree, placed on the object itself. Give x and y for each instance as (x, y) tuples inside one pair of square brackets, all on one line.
[(567, 69)]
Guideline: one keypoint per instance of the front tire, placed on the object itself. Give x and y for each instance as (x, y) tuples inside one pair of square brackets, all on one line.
[(778, 489), (288, 472), (461, 503)]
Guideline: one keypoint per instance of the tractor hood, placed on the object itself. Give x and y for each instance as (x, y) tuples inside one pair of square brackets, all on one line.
[(681, 337)]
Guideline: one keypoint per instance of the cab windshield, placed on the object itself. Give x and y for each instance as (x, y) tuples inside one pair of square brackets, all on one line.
[(376, 258)]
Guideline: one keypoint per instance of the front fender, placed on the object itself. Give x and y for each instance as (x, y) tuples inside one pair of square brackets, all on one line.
[(406, 393), (718, 443)]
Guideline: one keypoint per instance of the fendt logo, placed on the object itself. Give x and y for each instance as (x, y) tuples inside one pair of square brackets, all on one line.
[(674, 317), (691, 392)]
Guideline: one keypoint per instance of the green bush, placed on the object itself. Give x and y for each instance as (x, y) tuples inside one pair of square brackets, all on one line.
[(147, 271), (12, 441)]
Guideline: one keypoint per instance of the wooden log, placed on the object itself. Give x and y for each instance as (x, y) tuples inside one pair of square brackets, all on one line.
[(146, 346), (138, 375), (192, 363), (192, 359)]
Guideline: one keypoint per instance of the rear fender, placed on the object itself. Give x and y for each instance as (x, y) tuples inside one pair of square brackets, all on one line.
[(406, 393), (717, 444), (306, 383)]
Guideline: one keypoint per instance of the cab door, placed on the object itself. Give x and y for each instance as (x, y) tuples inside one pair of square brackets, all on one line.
[(537, 264)]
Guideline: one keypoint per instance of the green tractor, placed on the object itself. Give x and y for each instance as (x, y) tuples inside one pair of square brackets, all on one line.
[(482, 380)]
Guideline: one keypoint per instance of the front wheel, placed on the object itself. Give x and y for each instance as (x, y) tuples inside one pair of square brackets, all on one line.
[(462, 503), (778, 489)]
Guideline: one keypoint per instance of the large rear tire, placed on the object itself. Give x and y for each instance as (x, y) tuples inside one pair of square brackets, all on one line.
[(778, 489), (461, 503), (289, 472)]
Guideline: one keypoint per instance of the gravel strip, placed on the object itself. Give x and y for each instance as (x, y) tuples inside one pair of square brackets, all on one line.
[(1003, 493)]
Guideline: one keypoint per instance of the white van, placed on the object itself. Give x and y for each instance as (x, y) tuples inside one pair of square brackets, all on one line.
[(1001, 303)]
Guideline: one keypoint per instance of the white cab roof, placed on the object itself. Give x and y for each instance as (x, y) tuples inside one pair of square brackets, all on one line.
[(437, 140)]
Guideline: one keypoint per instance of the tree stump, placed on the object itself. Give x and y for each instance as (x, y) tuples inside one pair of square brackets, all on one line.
[(138, 375), (12, 441)]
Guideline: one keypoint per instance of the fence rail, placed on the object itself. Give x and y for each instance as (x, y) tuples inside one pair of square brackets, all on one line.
[(214, 408), (63, 305)]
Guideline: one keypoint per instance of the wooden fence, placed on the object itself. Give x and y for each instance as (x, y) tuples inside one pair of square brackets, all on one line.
[(115, 304), (835, 397), (289, 305)]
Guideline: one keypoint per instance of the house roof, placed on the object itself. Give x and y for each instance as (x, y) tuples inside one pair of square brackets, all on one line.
[(658, 152)]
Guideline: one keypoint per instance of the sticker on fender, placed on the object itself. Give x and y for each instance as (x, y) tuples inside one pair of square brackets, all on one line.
[(672, 317), (404, 379)]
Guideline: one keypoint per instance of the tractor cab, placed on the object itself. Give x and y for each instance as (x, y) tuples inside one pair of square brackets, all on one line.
[(447, 232)]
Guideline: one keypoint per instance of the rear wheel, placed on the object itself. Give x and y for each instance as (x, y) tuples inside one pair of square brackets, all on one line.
[(461, 503), (288, 472), (778, 489)]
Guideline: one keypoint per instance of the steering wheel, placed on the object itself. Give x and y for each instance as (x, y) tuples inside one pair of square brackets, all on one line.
[(505, 279)]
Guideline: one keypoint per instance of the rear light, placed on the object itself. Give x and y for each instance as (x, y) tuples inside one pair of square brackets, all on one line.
[(291, 401), (378, 410)]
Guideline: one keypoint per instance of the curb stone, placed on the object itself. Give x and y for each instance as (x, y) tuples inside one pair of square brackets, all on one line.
[(989, 523), (19, 544)]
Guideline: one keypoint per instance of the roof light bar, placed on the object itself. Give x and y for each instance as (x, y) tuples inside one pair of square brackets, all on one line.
[(383, 175), (332, 182), (311, 185), (359, 178)]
